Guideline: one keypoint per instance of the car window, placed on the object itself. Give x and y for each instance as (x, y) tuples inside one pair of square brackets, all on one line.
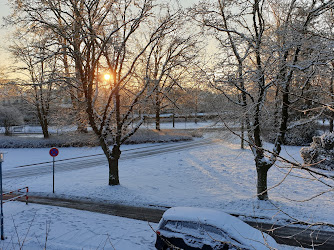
[(190, 224), (196, 229), (178, 226), (219, 234), (212, 229)]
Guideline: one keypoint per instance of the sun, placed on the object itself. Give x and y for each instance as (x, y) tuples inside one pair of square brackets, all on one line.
[(107, 77)]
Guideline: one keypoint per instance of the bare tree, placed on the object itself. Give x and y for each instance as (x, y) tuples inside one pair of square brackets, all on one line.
[(41, 70), (101, 35), (169, 59)]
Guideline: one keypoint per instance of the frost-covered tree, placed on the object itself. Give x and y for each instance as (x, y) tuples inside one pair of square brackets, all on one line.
[(268, 52), (10, 116)]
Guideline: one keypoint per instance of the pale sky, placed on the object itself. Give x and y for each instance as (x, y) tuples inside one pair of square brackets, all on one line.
[(4, 8), (4, 11), (4, 37)]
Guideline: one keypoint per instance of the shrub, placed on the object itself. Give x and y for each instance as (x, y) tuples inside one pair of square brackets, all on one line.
[(320, 153), (296, 135)]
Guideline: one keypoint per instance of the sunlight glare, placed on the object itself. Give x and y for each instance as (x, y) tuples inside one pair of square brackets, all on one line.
[(107, 77)]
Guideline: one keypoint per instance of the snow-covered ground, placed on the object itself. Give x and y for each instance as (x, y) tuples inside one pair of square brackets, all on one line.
[(219, 175), (36, 227), (46, 227)]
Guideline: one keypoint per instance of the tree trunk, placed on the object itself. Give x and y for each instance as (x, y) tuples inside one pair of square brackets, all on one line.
[(76, 98), (43, 121), (7, 130), (45, 130), (113, 166), (262, 188), (331, 124), (242, 143), (116, 152), (157, 112), (112, 157), (77, 95), (196, 107), (80, 115), (331, 90)]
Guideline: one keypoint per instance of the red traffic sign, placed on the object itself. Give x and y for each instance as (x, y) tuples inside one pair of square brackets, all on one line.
[(54, 152)]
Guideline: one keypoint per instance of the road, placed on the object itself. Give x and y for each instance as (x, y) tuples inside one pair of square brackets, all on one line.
[(97, 160)]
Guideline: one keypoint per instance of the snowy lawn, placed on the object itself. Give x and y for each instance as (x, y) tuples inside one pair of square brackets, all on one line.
[(72, 229)]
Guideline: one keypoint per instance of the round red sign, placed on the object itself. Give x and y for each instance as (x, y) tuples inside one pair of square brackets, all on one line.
[(54, 152)]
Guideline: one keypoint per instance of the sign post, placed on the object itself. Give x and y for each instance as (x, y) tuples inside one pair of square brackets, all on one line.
[(1, 194), (53, 152)]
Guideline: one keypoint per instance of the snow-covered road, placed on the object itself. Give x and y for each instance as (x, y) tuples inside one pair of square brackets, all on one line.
[(82, 162)]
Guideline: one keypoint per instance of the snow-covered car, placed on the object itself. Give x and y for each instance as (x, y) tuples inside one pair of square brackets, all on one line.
[(198, 228)]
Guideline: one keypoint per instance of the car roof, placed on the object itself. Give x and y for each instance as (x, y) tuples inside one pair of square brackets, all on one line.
[(236, 228)]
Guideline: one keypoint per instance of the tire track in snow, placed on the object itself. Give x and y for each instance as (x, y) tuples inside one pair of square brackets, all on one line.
[(63, 166)]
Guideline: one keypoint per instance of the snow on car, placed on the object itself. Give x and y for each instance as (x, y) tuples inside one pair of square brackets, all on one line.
[(198, 228)]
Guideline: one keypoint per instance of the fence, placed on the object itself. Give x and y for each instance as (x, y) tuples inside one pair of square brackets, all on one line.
[(22, 191)]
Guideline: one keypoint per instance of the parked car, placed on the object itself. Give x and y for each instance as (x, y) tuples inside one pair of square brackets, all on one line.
[(197, 228)]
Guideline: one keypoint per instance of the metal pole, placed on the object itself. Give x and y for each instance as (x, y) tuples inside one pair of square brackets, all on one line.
[(173, 119), (53, 171), (1, 194)]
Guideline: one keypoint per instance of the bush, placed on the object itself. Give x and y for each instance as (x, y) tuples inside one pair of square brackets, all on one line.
[(320, 153), (301, 135), (298, 135)]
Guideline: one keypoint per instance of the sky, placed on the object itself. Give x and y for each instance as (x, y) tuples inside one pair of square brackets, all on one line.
[(4, 8), (4, 11), (5, 59)]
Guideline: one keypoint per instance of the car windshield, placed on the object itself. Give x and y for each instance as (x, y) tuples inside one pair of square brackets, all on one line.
[(179, 226), (200, 230)]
